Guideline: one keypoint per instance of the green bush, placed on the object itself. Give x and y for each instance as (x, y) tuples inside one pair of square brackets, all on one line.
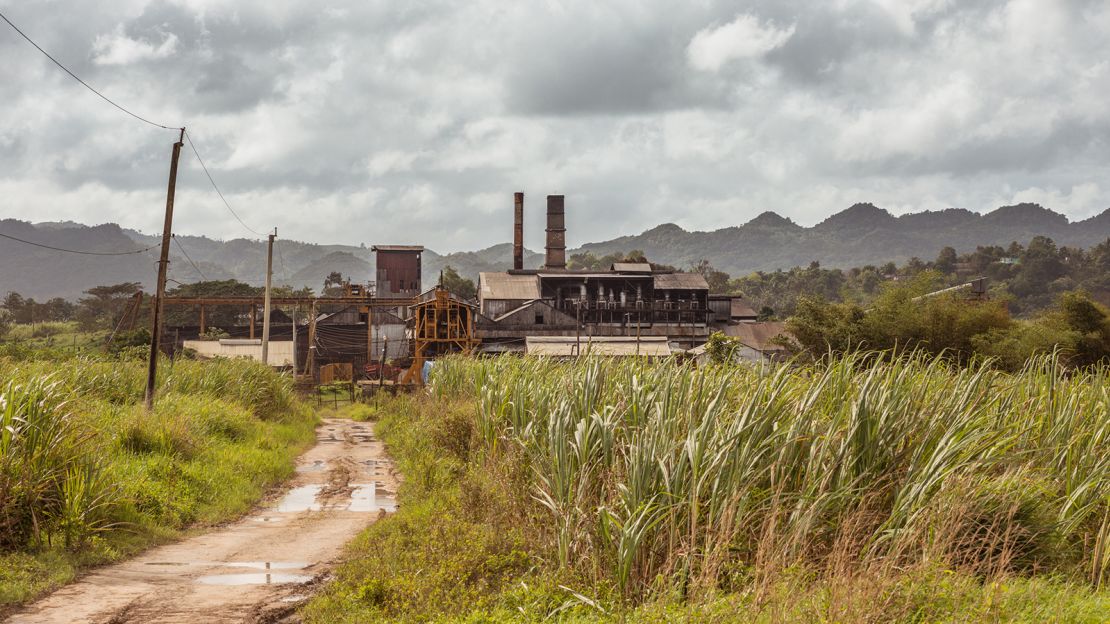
[(88, 475), (872, 487)]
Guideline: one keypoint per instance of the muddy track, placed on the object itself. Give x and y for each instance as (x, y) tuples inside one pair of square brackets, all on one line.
[(258, 569)]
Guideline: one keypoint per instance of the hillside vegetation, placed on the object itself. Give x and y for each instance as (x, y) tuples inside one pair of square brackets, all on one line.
[(88, 476), (868, 488), (857, 236)]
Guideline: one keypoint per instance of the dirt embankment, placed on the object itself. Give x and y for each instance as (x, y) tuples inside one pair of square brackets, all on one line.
[(258, 569)]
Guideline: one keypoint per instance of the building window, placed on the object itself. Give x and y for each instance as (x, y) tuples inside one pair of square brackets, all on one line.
[(539, 317)]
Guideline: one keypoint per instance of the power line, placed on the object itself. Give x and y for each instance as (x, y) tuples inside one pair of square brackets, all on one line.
[(195, 267), (75, 77), (189, 138), (84, 253)]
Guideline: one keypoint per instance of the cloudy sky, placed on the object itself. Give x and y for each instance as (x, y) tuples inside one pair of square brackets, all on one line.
[(407, 121)]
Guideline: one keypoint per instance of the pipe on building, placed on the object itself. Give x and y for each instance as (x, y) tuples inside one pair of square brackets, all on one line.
[(518, 231), (556, 234)]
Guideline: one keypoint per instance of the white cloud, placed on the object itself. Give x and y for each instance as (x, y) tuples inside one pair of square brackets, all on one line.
[(1076, 201), (405, 115), (744, 37), (119, 49), (905, 13)]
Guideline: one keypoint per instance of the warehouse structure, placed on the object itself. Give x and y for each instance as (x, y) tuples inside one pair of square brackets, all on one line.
[(629, 300), (629, 309)]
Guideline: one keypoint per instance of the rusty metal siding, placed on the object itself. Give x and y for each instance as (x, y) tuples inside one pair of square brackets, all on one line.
[(398, 272)]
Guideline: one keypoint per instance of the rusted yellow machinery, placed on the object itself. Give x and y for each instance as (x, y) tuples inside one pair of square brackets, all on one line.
[(441, 324)]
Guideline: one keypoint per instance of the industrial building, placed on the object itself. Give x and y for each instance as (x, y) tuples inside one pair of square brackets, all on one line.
[(630, 299), (629, 309)]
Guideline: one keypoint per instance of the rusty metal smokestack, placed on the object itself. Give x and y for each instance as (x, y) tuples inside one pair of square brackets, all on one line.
[(518, 231), (556, 234)]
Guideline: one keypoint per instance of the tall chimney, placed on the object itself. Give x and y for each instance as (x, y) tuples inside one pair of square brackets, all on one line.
[(518, 231), (556, 234)]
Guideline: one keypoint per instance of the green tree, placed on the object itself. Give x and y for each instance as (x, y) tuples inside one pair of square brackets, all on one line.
[(1091, 324), (333, 284), (718, 280), (214, 316), (458, 285), (946, 261), (58, 309), (15, 304), (104, 305)]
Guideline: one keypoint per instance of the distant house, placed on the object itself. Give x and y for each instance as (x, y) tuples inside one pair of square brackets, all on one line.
[(757, 342), (609, 346), (731, 309), (341, 336), (280, 351)]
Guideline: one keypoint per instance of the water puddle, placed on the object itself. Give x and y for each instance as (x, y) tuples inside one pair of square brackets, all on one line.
[(261, 578), (301, 498), (317, 466), (267, 565), (365, 498), (268, 519)]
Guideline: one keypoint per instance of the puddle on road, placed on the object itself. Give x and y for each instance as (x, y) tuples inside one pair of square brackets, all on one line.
[(301, 498), (268, 519), (267, 565), (365, 498), (261, 578), (317, 466)]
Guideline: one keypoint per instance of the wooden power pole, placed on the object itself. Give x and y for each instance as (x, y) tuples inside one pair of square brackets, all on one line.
[(266, 300), (163, 266)]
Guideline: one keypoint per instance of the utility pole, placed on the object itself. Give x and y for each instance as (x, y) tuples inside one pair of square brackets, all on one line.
[(163, 267), (381, 365), (310, 359), (294, 343), (266, 300)]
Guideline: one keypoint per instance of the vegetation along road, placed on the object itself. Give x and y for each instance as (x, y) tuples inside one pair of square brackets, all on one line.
[(255, 569)]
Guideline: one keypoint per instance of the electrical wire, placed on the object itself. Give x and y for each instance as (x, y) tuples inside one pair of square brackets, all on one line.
[(189, 138), (136, 116), (195, 267), (75, 77), (84, 253)]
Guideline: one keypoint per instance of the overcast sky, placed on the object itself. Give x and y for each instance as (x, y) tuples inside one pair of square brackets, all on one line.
[(366, 121)]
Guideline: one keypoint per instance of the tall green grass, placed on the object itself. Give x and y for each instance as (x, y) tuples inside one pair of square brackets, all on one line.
[(661, 478), (88, 475)]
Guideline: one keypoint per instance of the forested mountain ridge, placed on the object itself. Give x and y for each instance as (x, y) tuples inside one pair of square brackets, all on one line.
[(860, 235)]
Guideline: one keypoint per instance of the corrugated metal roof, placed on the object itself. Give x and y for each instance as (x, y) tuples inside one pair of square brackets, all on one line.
[(621, 346), (758, 336), (632, 267), (397, 248), (498, 285), (740, 309), (680, 281), (606, 275)]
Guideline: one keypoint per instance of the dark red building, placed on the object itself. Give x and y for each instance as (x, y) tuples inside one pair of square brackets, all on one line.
[(398, 270)]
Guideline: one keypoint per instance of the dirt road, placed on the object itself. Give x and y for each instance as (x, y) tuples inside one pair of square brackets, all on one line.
[(258, 569)]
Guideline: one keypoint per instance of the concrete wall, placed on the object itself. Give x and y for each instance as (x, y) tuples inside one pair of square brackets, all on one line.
[(280, 352)]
